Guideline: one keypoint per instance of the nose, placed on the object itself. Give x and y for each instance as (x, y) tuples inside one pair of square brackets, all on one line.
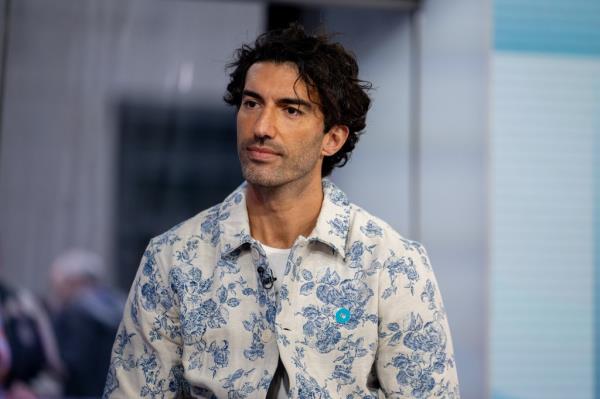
[(265, 126)]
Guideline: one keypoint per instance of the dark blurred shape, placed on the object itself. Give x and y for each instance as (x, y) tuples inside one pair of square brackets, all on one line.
[(86, 321), (174, 160), (24, 339), (5, 356), (30, 337), (280, 16)]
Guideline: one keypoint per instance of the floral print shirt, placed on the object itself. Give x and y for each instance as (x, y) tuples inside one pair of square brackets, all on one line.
[(358, 314)]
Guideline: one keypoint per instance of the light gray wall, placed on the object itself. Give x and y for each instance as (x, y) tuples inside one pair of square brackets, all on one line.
[(68, 62), (454, 165), (2, 28), (377, 176)]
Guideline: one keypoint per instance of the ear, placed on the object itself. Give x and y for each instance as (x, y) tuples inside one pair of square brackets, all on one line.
[(334, 139)]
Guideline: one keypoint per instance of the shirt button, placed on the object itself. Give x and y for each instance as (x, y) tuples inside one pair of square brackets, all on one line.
[(266, 336)]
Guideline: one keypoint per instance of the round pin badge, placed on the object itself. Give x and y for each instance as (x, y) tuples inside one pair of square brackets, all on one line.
[(342, 316)]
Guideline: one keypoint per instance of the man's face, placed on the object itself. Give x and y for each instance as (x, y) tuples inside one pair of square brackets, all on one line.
[(279, 129)]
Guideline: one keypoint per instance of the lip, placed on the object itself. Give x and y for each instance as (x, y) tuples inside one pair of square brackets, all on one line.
[(261, 153)]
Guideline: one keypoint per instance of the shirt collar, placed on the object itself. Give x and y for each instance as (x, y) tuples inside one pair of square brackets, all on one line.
[(331, 229)]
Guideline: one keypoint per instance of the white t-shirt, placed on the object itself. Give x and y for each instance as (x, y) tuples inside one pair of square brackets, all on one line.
[(277, 258)]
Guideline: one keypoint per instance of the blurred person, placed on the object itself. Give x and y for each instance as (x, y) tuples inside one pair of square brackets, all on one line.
[(34, 359), (286, 289), (86, 320)]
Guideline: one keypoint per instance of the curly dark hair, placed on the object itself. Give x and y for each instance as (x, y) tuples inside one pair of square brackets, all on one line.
[(324, 66)]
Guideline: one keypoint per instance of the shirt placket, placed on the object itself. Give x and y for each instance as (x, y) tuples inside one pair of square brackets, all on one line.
[(285, 324), (268, 334)]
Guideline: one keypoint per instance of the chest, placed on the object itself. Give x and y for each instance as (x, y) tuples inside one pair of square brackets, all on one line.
[(321, 297)]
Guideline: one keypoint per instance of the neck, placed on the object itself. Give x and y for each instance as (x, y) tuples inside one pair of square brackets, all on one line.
[(278, 215)]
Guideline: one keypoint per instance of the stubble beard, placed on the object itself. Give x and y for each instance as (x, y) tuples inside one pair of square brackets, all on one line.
[(277, 175)]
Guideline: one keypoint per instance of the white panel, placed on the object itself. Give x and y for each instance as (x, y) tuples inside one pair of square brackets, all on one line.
[(544, 121)]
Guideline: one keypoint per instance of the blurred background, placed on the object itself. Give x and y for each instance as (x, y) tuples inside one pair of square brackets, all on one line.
[(483, 143)]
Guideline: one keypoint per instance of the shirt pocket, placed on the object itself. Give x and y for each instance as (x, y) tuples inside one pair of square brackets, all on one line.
[(325, 328)]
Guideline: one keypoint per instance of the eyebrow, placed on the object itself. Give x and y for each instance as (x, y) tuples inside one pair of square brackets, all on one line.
[(281, 101)]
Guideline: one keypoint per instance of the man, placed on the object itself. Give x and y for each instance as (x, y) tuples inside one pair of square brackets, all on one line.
[(86, 317), (286, 289)]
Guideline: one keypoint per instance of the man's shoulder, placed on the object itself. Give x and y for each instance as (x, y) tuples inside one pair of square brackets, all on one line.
[(197, 227), (374, 232), (205, 226)]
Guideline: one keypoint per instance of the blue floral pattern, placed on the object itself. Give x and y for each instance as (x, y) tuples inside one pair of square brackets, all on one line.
[(358, 313)]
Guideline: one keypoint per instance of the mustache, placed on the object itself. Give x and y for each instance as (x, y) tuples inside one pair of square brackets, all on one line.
[(276, 148)]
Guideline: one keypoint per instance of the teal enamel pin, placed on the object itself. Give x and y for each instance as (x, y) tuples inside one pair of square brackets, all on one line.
[(342, 316)]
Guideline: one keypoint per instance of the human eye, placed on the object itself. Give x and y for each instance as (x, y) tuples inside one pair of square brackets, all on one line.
[(291, 111), (250, 104)]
